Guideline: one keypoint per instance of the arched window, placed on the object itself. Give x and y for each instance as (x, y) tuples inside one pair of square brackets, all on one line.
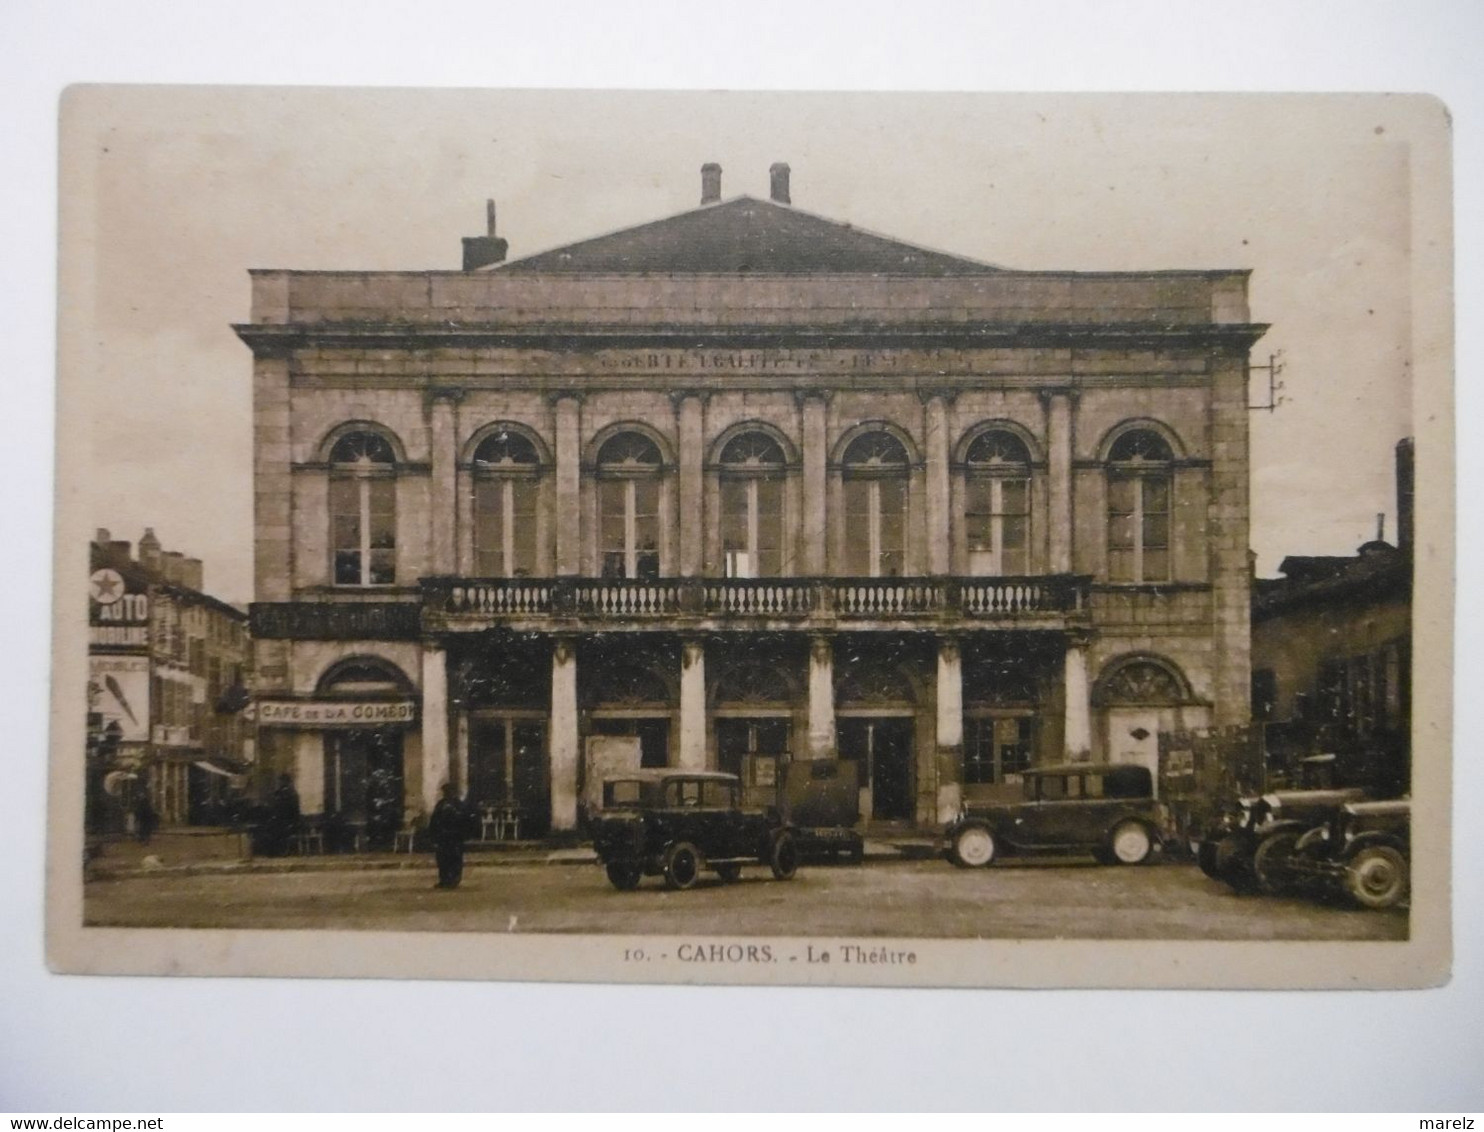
[(629, 467), (875, 480), (997, 508), (1139, 505), (506, 469), (752, 506), (363, 510)]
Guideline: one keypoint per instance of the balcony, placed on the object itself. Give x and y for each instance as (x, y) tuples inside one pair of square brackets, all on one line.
[(717, 604)]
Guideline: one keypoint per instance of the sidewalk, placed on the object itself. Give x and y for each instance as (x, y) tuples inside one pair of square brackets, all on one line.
[(208, 852)]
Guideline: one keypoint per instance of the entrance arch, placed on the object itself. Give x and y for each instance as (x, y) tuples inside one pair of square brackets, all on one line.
[(364, 772), (876, 725)]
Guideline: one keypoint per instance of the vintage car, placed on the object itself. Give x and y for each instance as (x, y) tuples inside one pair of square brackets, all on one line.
[(678, 823), (1364, 851), (1104, 809), (1249, 848)]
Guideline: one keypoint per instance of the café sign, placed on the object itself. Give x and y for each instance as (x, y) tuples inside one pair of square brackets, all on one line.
[(335, 713)]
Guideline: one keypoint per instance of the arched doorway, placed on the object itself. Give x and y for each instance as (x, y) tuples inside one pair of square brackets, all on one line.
[(875, 723), (753, 716), (503, 689), (1138, 697), (364, 798)]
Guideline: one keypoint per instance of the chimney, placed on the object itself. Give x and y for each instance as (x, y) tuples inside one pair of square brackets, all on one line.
[(103, 537), (778, 176), (710, 183), (193, 574), (1380, 526), (1404, 494), (486, 250), (149, 550)]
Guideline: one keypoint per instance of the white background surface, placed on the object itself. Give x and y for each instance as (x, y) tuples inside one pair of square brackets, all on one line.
[(80, 1044)]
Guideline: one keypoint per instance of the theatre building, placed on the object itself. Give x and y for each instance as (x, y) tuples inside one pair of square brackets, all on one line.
[(744, 485)]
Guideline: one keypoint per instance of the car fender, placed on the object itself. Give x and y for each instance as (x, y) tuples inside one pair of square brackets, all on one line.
[(1377, 837)]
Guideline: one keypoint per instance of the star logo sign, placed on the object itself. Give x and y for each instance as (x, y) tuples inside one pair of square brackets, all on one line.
[(106, 586)]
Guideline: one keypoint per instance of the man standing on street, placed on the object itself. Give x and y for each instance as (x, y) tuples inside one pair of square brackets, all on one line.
[(448, 826)]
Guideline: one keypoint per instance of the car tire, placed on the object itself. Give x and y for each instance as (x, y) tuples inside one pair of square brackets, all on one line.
[(731, 872), (1377, 877), (682, 865), (1130, 843), (1270, 863), (1207, 855), (973, 847), (624, 877), (783, 856), (1230, 865)]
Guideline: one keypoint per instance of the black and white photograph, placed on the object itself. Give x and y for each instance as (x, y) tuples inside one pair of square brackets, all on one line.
[(865, 539)]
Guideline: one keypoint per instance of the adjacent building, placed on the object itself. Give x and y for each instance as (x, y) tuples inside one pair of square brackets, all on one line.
[(1332, 658), (167, 672), (742, 485)]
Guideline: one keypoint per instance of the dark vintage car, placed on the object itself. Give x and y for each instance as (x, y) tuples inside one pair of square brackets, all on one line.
[(678, 823), (1363, 851), (1248, 850), (1104, 809)]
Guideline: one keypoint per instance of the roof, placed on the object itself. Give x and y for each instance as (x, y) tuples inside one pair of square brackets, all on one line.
[(746, 235), (1380, 573)]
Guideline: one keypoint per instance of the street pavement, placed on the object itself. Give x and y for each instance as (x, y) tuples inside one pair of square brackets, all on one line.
[(889, 896)]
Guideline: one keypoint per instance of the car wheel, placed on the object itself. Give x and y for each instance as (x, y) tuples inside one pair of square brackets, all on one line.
[(783, 856), (1270, 863), (1130, 843), (624, 877), (729, 873), (1376, 877), (682, 865), (1206, 856), (973, 847)]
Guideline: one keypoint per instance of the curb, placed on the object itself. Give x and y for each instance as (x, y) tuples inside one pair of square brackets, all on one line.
[(874, 851)]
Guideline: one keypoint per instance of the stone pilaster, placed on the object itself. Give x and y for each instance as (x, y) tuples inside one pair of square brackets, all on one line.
[(690, 425), (950, 731), (435, 739), (814, 528), (1059, 404), (939, 522), (443, 496), (272, 485), (821, 697), (692, 753), (1077, 702), (568, 408), (563, 734)]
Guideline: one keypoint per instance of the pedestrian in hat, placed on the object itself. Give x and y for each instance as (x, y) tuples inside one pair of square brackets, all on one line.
[(449, 826)]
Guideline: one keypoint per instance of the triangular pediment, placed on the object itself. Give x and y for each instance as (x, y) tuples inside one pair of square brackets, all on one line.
[(747, 236)]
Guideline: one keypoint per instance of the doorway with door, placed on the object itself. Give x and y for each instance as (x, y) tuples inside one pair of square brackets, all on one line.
[(881, 746)]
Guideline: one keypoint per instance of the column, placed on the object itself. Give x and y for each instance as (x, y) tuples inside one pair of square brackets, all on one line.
[(1077, 728), (821, 697), (692, 754), (812, 557), (689, 424), (935, 435), (950, 728), (435, 725), (562, 737), (443, 496), (1058, 404), (568, 480)]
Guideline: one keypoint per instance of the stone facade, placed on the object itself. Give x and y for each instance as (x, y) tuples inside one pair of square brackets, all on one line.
[(944, 519)]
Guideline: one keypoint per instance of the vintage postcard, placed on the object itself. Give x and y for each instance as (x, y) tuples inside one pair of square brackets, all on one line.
[(938, 540)]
